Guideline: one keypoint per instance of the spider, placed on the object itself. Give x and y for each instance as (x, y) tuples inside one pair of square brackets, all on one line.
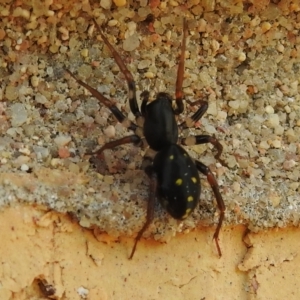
[(174, 175)]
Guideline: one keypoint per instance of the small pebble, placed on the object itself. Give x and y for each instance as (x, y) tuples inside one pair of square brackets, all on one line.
[(39, 98), (34, 81), (18, 114), (11, 92), (62, 140), (269, 109), (25, 151), (131, 43), (265, 26), (236, 187), (49, 71), (273, 120), (173, 3), (276, 143), (110, 131), (264, 145), (106, 4), (149, 75), (112, 23), (84, 52), (289, 164), (280, 48), (242, 56), (24, 167), (63, 152), (120, 2), (56, 162)]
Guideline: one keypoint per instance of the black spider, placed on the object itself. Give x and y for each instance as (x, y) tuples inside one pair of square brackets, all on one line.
[(174, 177)]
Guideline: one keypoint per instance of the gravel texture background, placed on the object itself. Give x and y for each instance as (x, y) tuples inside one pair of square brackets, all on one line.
[(242, 57)]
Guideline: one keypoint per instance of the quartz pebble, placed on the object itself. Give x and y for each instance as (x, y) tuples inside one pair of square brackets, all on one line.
[(18, 114), (120, 2), (110, 131), (106, 4), (131, 43), (62, 140)]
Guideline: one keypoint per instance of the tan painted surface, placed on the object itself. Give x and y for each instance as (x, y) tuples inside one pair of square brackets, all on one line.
[(273, 263), (37, 244), (40, 245)]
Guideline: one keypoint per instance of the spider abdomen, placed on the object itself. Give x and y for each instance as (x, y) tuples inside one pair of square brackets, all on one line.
[(178, 181)]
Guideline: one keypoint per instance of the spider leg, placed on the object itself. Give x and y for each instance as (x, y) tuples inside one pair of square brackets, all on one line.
[(129, 78), (196, 116), (180, 72), (150, 207), (131, 139), (204, 139), (215, 187), (145, 97), (113, 108)]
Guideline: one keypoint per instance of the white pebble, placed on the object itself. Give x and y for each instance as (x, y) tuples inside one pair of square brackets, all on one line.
[(39, 98), (131, 26), (131, 43), (82, 292), (49, 71), (25, 151), (280, 48), (210, 129), (276, 143), (269, 109), (110, 131), (24, 167), (106, 4), (112, 23), (34, 81), (62, 140), (273, 120), (264, 145), (279, 130)]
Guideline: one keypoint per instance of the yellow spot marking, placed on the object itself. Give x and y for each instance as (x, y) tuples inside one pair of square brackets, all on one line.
[(190, 198), (171, 157), (194, 179), (187, 212), (178, 181)]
